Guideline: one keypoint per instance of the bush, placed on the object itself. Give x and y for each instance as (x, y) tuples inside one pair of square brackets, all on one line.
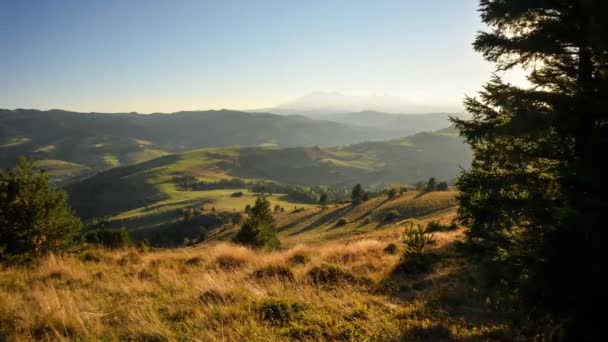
[(237, 194), (280, 312), (330, 275), (341, 222), (435, 226), (367, 220), (274, 271), (416, 239), (391, 216), (391, 248), (110, 238), (442, 186), (298, 259), (35, 218), (391, 193)]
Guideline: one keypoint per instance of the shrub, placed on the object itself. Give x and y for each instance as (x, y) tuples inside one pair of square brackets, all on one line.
[(416, 239), (35, 218), (431, 185), (274, 271), (367, 220), (298, 259), (237, 194), (442, 186), (111, 238), (280, 312), (391, 193), (391, 216), (391, 248), (330, 275), (341, 222), (435, 226), (229, 262)]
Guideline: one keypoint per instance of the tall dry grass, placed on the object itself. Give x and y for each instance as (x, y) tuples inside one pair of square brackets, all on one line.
[(211, 293)]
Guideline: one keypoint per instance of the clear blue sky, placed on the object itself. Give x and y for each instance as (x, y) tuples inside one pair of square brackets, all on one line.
[(170, 55)]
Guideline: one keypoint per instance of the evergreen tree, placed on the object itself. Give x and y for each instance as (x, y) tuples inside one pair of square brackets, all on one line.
[(357, 194), (35, 218), (259, 230), (535, 197), (431, 185)]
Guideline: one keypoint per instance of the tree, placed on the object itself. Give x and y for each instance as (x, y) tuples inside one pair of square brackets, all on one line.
[(258, 230), (534, 200), (323, 199), (35, 218), (442, 186), (431, 185), (357, 194)]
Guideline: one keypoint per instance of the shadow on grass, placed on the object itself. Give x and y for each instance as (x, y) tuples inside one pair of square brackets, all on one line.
[(330, 216)]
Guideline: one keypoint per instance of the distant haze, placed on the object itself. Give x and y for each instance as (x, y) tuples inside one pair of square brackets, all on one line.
[(321, 103)]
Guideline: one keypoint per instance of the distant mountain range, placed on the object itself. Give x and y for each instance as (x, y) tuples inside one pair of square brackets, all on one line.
[(323, 103), (71, 144)]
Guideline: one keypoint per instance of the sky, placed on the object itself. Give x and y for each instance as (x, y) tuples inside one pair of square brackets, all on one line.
[(171, 55)]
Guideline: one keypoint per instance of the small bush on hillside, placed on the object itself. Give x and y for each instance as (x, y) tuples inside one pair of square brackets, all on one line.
[(391, 248), (330, 275), (435, 226), (110, 238), (341, 222), (391, 216), (298, 259), (274, 271), (367, 220), (416, 239), (442, 186), (237, 194), (35, 218), (431, 185), (280, 312), (229, 262), (391, 193)]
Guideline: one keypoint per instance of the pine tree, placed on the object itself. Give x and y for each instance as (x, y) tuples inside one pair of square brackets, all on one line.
[(357, 194), (35, 218), (535, 195), (258, 230)]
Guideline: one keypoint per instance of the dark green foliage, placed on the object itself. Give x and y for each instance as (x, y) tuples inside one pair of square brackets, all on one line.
[(435, 226), (391, 193), (416, 239), (237, 194), (391, 248), (392, 216), (111, 238), (323, 199), (280, 312), (35, 218), (258, 230), (534, 201), (442, 186), (330, 275), (341, 222), (431, 185), (357, 194), (274, 271)]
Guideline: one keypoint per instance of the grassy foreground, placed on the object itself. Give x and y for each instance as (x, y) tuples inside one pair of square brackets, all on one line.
[(348, 289)]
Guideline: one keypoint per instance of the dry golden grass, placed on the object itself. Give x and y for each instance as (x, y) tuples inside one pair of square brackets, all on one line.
[(213, 293)]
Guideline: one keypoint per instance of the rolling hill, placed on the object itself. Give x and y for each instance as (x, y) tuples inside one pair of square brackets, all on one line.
[(151, 194), (93, 141)]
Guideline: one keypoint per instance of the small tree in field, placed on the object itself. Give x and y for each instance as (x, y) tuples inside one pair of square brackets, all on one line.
[(323, 199), (258, 230), (442, 186), (35, 218), (431, 185)]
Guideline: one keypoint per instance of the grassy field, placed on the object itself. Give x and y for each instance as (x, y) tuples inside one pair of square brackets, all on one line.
[(60, 168), (340, 287)]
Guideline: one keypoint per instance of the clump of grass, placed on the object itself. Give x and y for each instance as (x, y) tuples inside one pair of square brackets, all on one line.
[(436, 226), (391, 216), (130, 258), (214, 296), (298, 259), (341, 222), (230, 262), (280, 312), (391, 248), (331, 275), (194, 261), (281, 273)]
